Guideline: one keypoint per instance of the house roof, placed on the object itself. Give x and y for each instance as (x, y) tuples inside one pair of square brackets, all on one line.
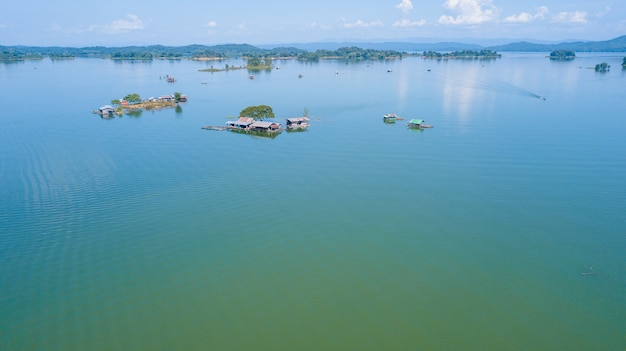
[(242, 121), (245, 120), (261, 124), (416, 121), (297, 119)]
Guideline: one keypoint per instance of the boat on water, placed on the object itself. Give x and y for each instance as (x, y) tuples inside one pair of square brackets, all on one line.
[(297, 123), (418, 124), (390, 117)]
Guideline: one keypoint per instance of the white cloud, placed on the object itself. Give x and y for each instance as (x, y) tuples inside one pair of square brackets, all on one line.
[(316, 25), (361, 24), (603, 12), (405, 6), (54, 28), (469, 12), (131, 23), (211, 24), (407, 23), (526, 17), (570, 17)]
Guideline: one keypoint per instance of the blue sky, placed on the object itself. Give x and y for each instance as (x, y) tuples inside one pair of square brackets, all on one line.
[(142, 22)]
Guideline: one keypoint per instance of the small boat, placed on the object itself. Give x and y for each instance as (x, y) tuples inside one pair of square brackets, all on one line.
[(390, 117)]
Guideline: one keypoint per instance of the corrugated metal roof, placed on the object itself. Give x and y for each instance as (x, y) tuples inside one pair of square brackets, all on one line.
[(261, 124), (416, 121), (297, 119)]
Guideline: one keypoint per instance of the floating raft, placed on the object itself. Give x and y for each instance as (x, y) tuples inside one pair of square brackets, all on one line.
[(214, 128)]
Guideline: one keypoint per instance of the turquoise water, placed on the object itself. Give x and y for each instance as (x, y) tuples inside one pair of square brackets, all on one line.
[(148, 232)]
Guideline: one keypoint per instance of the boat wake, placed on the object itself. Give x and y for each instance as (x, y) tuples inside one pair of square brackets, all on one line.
[(494, 86)]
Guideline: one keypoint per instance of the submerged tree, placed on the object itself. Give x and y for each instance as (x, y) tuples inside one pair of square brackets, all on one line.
[(257, 112), (603, 67)]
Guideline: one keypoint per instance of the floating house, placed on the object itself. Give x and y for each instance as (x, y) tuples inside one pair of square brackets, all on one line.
[(418, 124), (390, 117), (297, 123), (106, 111), (249, 124), (267, 127), (241, 123)]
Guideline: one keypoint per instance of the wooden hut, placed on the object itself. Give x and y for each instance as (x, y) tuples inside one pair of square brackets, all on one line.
[(297, 123), (262, 126), (241, 123)]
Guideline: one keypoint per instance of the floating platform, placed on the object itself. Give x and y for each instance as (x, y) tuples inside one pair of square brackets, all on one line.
[(219, 128)]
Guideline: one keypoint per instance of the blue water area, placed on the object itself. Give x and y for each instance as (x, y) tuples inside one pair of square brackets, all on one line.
[(501, 228)]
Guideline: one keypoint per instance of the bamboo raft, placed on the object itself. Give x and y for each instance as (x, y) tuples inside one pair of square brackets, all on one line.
[(219, 128)]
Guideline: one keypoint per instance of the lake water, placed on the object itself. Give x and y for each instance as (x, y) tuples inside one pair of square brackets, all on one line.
[(148, 233)]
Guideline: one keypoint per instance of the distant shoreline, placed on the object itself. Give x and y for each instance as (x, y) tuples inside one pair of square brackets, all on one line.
[(355, 50)]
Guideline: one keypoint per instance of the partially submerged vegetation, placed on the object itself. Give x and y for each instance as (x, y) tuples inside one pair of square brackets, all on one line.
[(253, 63), (603, 67), (464, 54)]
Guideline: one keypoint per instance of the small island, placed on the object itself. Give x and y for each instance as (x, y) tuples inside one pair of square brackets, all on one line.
[(562, 55), (603, 67), (252, 64), (464, 54), (133, 102)]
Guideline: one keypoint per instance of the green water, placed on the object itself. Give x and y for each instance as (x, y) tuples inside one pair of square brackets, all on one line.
[(149, 233)]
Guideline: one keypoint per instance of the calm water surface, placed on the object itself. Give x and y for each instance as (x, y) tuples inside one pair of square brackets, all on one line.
[(148, 233)]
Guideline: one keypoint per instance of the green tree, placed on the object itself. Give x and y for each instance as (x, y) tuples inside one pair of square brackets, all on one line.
[(603, 67), (133, 98), (115, 102), (562, 55), (177, 96), (257, 112)]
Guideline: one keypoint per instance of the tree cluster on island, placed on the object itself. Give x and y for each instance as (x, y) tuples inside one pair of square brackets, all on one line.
[(464, 54), (134, 101), (562, 55), (351, 53), (258, 112), (193, 52), (603, 67), (252, 63)]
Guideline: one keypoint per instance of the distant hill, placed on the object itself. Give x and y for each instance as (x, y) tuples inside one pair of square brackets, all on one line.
[(397, 46), (613, 45)]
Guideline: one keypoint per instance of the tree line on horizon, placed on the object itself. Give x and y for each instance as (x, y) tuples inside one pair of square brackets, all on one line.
[(225, 51)]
